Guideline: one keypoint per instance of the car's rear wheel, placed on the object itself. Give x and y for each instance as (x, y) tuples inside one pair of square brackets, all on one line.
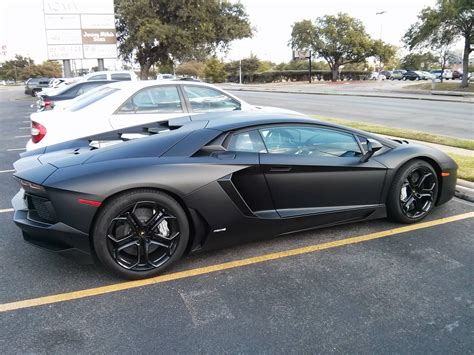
[(140, 233), (413, 192)]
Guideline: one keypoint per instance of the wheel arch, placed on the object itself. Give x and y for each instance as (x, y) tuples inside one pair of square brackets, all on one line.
[(198, 227), (430, 161)]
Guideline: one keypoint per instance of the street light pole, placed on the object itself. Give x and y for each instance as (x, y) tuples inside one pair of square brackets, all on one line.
[(240, 71), (381, 22)]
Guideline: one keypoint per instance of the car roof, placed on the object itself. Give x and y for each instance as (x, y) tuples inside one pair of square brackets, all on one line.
[(146, 83), (235, 120)]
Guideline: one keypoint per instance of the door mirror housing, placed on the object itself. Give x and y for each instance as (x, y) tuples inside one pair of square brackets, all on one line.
[(372, 147)]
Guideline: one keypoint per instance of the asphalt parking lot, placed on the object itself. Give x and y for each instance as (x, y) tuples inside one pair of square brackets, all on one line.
[(375, 287)]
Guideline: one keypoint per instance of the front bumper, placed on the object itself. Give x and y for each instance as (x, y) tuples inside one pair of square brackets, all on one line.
[(57, 237)]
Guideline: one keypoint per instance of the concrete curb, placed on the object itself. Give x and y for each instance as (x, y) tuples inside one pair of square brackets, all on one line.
[(348, 94), (464, 193)]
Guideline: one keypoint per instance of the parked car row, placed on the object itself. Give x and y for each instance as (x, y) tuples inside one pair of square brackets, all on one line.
[(401, 74)]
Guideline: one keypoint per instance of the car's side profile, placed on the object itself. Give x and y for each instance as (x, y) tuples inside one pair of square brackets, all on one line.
[(141, 204), (125, 104)]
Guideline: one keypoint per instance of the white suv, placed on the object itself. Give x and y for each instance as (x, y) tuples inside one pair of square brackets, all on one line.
[(122, 75)]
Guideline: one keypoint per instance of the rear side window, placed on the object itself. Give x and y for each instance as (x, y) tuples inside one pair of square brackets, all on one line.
[(97, 95), (205, 99), (98, 77), (121, 76), (246, 142), (157, 99)]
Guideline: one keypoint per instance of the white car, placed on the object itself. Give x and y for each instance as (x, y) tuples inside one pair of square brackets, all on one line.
[(125, 104), (377, 76), (120, 75)]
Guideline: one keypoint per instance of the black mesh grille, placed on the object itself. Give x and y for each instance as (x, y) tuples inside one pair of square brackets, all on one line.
[(40, 209)]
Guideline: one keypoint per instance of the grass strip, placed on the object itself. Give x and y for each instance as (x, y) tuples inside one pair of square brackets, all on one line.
[(441, 87), (403, 133), (466, 166)]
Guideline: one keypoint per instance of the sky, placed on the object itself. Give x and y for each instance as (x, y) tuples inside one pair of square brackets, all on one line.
[(22, 24)]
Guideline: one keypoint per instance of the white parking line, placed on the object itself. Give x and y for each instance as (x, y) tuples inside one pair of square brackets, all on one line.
[(27, 121), (6, 210), (28, 136), (7, 171), (24, 127), (15, 149)]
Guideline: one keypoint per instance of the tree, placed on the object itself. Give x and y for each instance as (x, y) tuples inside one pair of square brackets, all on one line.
[(214, 71), (49, 69), (11, 69), (163, 31), (265, 65), (418, 61), (339, 40), (192, 68), (449, 20), (383, 52)]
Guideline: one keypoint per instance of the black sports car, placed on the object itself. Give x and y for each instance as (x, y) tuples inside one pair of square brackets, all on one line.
[(139, 205)]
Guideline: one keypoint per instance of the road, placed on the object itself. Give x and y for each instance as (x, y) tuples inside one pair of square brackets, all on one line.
[(391, 291), (446, 118)]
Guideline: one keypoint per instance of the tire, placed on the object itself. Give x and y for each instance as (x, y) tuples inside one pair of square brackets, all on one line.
[(404, 189), (140, 233)]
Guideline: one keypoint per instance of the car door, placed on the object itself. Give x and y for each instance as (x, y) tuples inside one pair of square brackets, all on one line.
[(312, 169), (151, 104)]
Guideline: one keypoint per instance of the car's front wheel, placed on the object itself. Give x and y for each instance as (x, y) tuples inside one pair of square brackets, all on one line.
[(413, 193), (140, 233)]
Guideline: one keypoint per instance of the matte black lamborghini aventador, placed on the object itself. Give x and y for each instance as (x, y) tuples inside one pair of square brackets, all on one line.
[(140, 204)]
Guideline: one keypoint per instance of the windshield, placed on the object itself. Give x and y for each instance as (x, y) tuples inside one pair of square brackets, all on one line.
[(90, 97)]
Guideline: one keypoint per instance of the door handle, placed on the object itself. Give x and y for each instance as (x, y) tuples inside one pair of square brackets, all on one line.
[(280, 169)]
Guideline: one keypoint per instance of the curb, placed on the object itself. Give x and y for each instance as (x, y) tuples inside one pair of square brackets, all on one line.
[(464, 193), (349, 94), (465, 190)]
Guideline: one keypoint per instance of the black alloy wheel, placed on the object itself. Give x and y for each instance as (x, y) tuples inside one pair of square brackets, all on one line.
[(413, 193), (139, 233), (143, 237), (418, 192)]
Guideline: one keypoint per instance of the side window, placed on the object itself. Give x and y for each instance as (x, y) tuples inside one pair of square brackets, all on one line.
[(312, 141), (121, 76), (98, 77), (205, 99), (246, 142), (157, 99)]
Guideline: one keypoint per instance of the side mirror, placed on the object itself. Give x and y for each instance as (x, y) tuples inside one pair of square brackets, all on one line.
[(372, 147)]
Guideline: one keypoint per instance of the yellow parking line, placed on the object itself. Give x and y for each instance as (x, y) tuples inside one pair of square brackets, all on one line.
[(69, 296)]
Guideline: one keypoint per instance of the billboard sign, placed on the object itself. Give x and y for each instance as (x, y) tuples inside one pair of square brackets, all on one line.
[(80, 29)]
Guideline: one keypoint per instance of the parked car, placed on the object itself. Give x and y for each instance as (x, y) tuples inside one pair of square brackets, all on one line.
[(125, 104), (120, 75), (456, 74), (34, 85), (68, 93), (411, 75), (376, 76), (387, 73), (397, 74), (428, 75), (165, 77), (447, 74), (140, 205)]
